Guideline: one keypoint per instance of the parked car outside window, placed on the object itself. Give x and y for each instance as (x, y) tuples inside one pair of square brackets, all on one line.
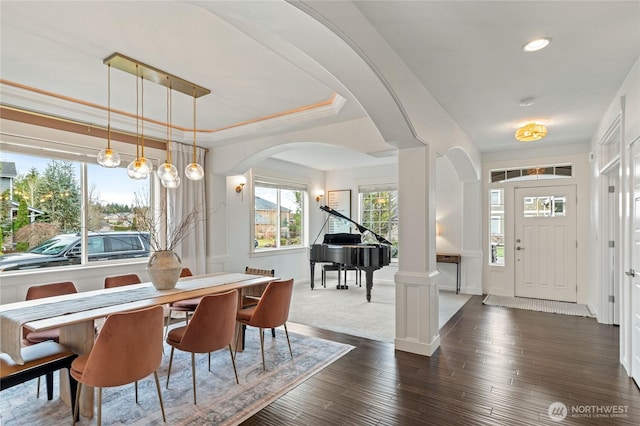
[(66, 249)]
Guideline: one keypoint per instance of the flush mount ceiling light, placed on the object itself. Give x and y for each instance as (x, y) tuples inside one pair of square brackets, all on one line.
[(537, 44), (531, 132)]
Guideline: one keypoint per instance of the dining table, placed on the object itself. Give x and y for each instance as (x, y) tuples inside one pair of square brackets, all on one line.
[(75, 314)]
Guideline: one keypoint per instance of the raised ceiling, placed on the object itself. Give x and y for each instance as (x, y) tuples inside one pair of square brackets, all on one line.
[(467, 54)]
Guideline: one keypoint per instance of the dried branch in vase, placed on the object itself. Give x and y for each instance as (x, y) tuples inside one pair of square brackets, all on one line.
[(164, 232)]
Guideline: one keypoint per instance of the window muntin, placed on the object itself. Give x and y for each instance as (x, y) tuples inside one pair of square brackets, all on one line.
[(278, 214), (496, 226), (379, 213)]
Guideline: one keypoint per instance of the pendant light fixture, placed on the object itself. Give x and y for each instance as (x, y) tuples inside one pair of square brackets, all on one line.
[(108, 157), (167, 172), (194, 171), (140, 168)]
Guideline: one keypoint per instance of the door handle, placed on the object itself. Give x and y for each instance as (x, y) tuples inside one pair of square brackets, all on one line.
[(631, 273), (519, 248)]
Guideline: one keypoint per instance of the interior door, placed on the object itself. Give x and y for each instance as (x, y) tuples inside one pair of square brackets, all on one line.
[(634, 273), (546, 243)]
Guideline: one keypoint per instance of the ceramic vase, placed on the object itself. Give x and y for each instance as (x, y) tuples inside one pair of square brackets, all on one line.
[(164, 268)]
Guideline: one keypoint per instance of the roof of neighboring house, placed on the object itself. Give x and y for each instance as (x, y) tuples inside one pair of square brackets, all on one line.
[(16, 205), (8, 169), (262, 204)]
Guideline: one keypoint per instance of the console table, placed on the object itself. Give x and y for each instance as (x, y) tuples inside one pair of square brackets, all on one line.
[(451, 258)]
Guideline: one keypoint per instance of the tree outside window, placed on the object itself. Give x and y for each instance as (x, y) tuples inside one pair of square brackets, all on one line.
[(379, 213)]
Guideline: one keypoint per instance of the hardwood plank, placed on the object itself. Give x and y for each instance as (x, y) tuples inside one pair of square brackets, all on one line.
[(495, 366)]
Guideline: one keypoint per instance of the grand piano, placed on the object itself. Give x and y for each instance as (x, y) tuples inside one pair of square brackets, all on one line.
[(349, 251)]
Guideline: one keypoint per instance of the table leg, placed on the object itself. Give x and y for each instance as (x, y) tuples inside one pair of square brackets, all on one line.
[(79, 338)]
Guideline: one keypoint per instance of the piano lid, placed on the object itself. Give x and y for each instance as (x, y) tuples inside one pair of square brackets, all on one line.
[(361, 228)]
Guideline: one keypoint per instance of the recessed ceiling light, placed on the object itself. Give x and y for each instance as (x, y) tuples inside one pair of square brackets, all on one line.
[(537, 44)]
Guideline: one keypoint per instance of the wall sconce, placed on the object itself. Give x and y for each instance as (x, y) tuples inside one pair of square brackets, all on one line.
[(438, 229), (319, 196), (240, 186)]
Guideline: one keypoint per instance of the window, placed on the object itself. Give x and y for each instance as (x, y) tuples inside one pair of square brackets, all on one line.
[(379, 213), (532, 173), (278, 214), (41, 202), (545, 206), (496, 227)]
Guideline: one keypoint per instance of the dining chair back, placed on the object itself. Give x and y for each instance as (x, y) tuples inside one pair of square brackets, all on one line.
[(271, 311), (212, 327), (121, 280), (40, 292), (128, 349)]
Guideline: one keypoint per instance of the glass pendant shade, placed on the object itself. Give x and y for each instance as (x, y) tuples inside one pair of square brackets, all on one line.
[(108, 158), (139, 168), (171, 184), (194, 171), (167, 172)]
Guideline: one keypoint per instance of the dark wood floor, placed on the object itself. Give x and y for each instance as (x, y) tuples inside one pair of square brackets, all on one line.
[(495, 366)]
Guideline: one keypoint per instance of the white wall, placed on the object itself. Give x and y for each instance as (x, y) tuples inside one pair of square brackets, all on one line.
[(449, 215), (500, 280)]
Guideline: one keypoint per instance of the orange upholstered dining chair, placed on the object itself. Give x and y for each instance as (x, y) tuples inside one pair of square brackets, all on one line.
[(188, 306), (33, 337), (211, 328), (251, 295), (121, 280), (128, 349), (42, 291), (271, 311)]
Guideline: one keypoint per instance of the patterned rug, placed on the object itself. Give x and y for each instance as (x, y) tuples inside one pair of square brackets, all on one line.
[(540, 305), (220, 400)]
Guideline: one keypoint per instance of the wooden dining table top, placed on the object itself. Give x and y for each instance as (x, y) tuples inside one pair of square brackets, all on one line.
[(67, 309)]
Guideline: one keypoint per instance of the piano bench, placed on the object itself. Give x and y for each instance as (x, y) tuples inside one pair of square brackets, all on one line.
[(40, 359), (339, 267)]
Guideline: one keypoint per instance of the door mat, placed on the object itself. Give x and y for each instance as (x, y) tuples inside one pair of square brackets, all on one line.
[(552, 306)]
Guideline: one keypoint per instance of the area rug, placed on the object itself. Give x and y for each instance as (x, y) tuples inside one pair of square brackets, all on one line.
[(347, 311), (540, 305), (220, 400)]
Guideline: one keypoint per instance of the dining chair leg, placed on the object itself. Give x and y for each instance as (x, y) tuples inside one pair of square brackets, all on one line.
[(136, 386), (170, 362), (38, 389), (235, 353), (75, 411), (99, 406), (288, 341), (273, 332), (155, 375), (193, 375), (262, 348), (233, 361)]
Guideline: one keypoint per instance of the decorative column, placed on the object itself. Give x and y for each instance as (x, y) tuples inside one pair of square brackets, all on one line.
[(417, 328)]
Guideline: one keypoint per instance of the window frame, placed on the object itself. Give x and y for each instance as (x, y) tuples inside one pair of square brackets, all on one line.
[(279, 185), (378, 188), (81, 161)]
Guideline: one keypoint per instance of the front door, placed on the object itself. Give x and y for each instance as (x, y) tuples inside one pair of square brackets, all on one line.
[(545, 243), (634, 273)]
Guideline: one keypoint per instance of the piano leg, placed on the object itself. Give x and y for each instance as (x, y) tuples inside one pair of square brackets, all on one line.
[(368, 273), (313, 272)]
